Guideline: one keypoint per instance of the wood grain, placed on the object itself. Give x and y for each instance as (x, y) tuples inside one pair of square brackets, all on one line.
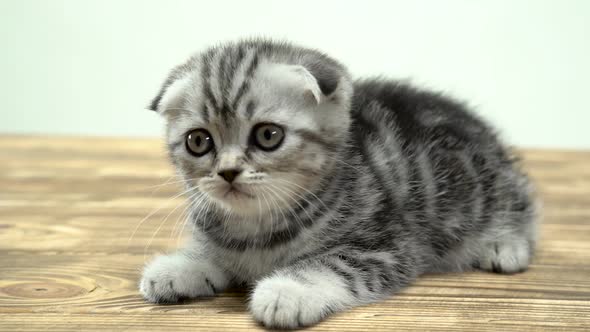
[(69, 205)]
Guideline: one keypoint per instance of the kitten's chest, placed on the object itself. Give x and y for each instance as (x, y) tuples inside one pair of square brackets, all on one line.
[(252, 264)]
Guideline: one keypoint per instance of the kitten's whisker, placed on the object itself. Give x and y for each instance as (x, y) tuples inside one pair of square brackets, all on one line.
[(208, 221), (291, 210), (163, 222), (336, 159), (300, 196), (160, 226), (344, 163), (170, 182), (224, 220), (270, 212), (180, 220), (178, 236), (277, 195), (289, 195), (310, 192), (326, 207), (184, 222), (260, 213), (155, 211), (191, 201), (160, 185), (278, 208), (201, 210), (285, 220)]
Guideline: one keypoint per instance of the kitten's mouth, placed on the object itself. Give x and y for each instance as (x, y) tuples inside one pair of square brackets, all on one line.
[(234, 192)]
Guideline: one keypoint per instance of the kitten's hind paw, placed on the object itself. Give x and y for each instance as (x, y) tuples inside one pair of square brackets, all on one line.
[(508, 257)]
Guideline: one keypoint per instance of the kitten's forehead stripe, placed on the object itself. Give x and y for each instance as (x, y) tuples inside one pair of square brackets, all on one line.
[(226, 74), (245, 85), (226, 115), (231, 72), (205, 77), (243, 62), (221, 70), (216, 76)]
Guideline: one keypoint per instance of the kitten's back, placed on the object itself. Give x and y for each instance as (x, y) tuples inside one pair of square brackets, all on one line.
[(419, 116), (446, 169)]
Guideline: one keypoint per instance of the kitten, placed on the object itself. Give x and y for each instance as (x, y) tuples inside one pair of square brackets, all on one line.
[(324, 193)]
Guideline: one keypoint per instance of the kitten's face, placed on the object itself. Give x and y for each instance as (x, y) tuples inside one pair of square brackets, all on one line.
[(258, 142)]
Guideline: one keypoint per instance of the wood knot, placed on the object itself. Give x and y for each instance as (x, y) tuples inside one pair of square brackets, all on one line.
[(45, 290)]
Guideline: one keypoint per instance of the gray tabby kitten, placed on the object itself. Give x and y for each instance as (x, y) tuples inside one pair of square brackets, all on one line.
[(323, 193)]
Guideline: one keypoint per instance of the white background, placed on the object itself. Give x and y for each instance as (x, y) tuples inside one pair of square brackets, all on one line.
[(91, 67)]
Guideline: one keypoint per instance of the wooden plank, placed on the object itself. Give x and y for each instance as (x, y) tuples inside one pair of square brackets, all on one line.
[(70, 260)]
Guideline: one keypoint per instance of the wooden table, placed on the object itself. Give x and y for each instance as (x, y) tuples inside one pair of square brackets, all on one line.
[(68, 260)]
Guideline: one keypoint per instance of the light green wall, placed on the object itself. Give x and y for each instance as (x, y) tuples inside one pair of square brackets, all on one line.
[(90, 67)]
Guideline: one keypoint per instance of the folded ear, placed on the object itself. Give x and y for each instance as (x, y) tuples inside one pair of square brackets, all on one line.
[(326, 74), (298, 79), (311, 88), (171, 89)]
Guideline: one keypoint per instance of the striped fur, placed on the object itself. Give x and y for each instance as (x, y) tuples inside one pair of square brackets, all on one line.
[(376, 183)]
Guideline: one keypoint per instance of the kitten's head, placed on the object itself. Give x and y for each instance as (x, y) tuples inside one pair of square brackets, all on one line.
[(255, 125)]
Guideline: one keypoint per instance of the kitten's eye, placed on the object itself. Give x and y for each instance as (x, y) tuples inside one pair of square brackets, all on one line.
[(199, 142), (268, 136)]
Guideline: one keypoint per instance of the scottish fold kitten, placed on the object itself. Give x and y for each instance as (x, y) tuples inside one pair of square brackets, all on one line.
[(325, 193)]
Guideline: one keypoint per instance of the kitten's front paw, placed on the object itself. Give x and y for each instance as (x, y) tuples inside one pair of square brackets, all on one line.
[(280, 302), (169, 279)]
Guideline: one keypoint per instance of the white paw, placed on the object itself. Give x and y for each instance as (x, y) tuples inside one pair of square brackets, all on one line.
[(169, 279), (508, 256), (280, 302)]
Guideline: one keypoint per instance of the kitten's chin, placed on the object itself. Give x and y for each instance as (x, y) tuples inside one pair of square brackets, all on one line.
[(237, 201), (247, 207)]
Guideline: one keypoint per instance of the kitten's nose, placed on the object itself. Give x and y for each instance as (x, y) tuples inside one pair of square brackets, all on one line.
[(229, 174)]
